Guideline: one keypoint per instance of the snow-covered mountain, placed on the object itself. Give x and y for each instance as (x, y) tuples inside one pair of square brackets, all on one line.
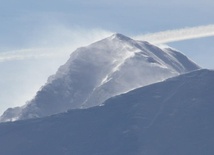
[(99, 71), (171, 117)]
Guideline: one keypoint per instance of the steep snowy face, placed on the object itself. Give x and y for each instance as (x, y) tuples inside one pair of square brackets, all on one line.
[(101, 70), (173, 117)]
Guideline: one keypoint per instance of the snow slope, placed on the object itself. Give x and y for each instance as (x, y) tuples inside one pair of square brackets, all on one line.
[(171, 117), (101, 70)]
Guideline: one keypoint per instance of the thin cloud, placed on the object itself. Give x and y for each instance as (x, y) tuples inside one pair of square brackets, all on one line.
[(178, 34), (24, 54)]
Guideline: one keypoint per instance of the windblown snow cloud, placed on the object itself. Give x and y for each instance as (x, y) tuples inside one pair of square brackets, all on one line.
[(178, 35), (24, 71), (76, 40), (58, 42)]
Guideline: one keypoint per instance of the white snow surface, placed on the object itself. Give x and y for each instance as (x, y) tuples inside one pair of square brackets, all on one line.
[(173, 117), (106, 68)]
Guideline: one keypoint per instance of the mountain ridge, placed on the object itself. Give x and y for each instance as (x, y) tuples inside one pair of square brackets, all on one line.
[(168, 117)]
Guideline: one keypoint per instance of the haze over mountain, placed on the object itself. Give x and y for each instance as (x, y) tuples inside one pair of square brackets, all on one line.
[(170, 117), (109, 67)]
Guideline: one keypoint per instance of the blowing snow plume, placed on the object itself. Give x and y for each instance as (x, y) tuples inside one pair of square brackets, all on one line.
[(178, 35), (94, 35)]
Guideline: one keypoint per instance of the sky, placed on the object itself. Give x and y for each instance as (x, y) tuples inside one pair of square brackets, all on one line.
[(38, 36)]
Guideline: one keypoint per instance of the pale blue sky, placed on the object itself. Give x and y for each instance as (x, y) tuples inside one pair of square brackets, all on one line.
[(71, 23), (21, 20)]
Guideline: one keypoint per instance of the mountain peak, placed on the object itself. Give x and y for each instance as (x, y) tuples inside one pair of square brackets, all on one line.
[(100, 71), (120, 37)]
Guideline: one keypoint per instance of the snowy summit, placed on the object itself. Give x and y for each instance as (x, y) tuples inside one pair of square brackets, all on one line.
[(97, 72)]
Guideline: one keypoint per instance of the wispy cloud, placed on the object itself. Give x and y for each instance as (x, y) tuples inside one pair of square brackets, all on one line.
[(178, 34), (24, 54), (57, 42)]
